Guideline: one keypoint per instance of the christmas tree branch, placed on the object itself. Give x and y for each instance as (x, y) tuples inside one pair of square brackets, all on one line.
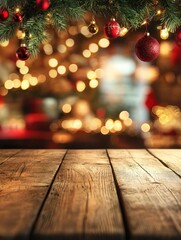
[(128, 13)]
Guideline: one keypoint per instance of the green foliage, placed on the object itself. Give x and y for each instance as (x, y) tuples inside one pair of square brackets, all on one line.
[(172, 14), (128, 13)]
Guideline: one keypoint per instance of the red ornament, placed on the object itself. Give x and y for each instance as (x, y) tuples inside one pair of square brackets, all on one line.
[(43, 4), (18, 17), (112, 29), (22, 53), (178, 36), (147, 48), (4, 14)]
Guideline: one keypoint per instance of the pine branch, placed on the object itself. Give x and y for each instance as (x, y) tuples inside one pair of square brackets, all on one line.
[(127, 12), (172, 14)]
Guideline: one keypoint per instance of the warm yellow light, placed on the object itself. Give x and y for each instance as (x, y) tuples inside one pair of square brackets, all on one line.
[(144, 22), (109, 124), (61, 69), (62, 48), (93, 47), (27, 76), (17, 10), (104, 130), (24, 70), (99, 73), (48, 49), (164, 34), (104, 43), (3, 91), (53, 73), (117, 125), (53, 62), (123, 31), (66, 108), (77, 124), (80, 86), (8, 84), (85, 31), (41, 78), (73, 68), (20, 63), (124, 115), (94, 124), (145, 127), (16, 83), (72, 30), (20, 34), (86, 53), (70, 42), (5, 43), (128, 122), (91, 75), (25, 84), (158, 12), (33, 81), (93, 83), (165, 48)]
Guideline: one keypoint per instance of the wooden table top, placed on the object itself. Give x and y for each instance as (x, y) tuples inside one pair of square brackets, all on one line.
[(90, 194)]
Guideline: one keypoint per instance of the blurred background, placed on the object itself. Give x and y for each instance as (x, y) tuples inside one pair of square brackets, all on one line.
[(85, 91)]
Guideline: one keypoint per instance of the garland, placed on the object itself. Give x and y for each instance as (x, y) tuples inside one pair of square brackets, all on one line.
[(34, 18)]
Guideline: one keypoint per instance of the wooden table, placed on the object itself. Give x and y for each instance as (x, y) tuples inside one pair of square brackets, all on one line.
[(90, 194)]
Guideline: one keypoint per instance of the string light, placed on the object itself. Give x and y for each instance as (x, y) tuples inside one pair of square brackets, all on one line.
[(17, 10), (123, 31), (144, 22), (158, 12), (164, 34)]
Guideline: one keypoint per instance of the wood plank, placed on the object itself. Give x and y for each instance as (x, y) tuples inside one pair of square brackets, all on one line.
[(171, 157), (82, 203), (25, 177), (151, 195)]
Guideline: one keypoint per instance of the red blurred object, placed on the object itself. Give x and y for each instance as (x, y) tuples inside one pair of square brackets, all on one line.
[(147, 48), (43, 4), (37, 122), (176, 55), (4, 14), (150, 100), (101, 112), (112, 29), (22, 53), (178, 36), (18, 17)]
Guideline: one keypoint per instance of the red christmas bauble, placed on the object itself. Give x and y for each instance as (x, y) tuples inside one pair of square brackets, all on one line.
[(147, 48), (43, 4), (112, 29), (22, 53), (18, 17), (178, 36), (4, 14)]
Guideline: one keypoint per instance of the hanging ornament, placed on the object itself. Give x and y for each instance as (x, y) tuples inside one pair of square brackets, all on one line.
[(22, 53), (147, 48), (93, 28), (43, 4), (4, 14), (112, 29), (178, 36), (18, 17)]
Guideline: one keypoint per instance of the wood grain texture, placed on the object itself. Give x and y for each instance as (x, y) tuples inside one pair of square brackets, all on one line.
[(82, 203), (170, 157), (151, 194), (25, 176)]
